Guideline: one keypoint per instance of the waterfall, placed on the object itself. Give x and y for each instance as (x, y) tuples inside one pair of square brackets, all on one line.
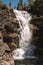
[(25, 46)]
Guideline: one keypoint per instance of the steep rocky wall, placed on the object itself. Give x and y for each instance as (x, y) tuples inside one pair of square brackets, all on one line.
[(9, 34), (9, 26), (36, 25), (38, 36)]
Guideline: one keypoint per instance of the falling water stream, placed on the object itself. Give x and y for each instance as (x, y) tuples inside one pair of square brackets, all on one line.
[(26, 49)]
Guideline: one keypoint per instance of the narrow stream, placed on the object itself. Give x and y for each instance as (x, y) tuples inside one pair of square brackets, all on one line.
[(24, 55)]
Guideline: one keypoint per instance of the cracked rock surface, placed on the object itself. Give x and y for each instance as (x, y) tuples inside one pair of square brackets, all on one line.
[(9, 34)]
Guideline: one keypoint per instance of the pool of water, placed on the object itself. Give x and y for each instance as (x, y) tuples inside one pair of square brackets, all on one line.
[(29, 62)]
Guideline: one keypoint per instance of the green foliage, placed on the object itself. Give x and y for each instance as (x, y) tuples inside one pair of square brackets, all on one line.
[(31, 2), (0, 0), (20, 5)]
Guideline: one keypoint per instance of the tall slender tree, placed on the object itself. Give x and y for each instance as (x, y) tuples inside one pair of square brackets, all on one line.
[(30, 2), (0, 0), (20, 5)]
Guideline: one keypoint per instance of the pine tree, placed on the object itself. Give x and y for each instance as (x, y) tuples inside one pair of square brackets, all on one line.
[(0, 0), (30, 2), (20, 5)]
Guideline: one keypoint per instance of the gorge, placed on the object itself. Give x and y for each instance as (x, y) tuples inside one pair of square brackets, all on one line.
[(21, 35)]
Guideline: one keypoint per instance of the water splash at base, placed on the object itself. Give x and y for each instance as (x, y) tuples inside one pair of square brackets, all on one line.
[(26, 49)]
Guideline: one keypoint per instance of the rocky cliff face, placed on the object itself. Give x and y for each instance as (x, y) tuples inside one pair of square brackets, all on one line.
[(9, 34), (9, 25)]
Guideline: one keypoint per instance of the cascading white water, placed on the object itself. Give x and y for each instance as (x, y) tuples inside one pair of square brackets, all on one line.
[(26, 47)]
